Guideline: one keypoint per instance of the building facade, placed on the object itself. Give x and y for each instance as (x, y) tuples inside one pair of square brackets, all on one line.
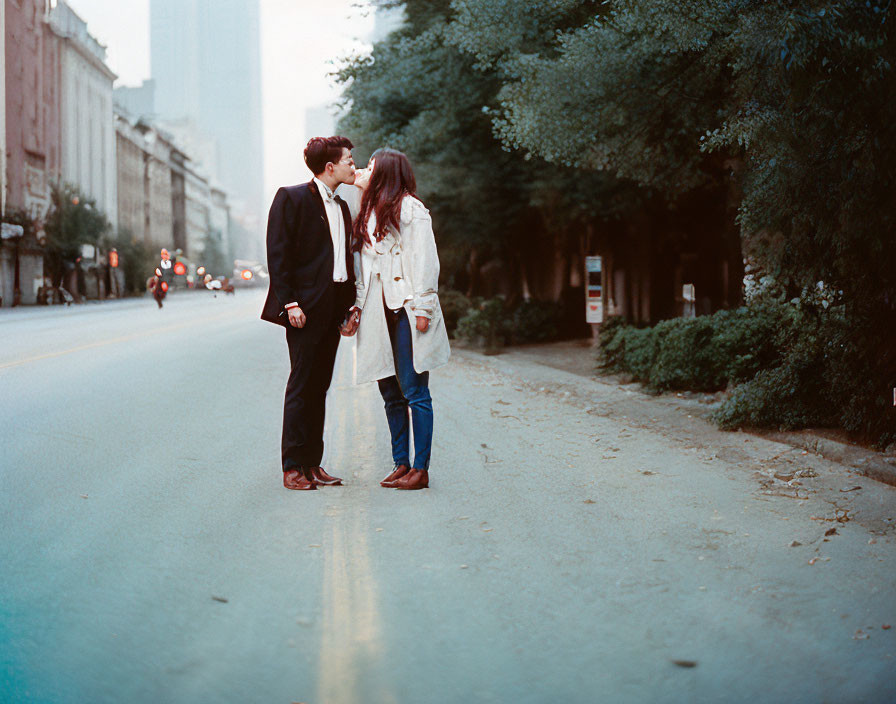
[(145, 199), (32, 102), (137, 101), (206, 65), (86, 111), (31, 140), (3, 109), (131, 196), (219, 226), (197, 210)]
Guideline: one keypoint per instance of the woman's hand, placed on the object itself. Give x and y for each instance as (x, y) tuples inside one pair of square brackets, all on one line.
[(350, 327), (422, 323), (362, 178)]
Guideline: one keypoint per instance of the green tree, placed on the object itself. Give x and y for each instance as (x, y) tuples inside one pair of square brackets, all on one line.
[(420, 93), (136, 260), (73, 221)]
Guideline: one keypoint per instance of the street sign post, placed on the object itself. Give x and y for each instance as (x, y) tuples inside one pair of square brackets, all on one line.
[(594, 310)]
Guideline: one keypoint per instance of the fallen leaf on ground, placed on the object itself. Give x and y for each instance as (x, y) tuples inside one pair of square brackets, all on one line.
[(886, 626), (314, 546), (463, 567), (850, 488), (589, 501), (219, 598), (831, 531), (83, 496), (795, 543), (685, 663), (486, 530), (860, 635)]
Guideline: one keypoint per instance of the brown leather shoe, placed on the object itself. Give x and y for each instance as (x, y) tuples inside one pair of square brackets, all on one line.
[(415, 479), (294, 479), (397, 473), (324, 479)]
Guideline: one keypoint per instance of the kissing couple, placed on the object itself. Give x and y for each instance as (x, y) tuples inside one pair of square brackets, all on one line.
[(377, 278)]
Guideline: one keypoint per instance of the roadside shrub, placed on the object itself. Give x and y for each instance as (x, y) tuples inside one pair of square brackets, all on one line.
[(821, 378), (486, 323), (137, 261), (683, 355), (701, 354), (790, 365), (536, 321), (640, 351), (455, 305), (492, 323), (611, 353)]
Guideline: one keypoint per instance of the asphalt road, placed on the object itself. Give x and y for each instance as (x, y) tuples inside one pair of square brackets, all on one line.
[(572, 546)]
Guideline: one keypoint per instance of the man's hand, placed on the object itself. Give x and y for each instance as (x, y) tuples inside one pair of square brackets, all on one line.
[(422, 323), (296, 317), (351, 324)]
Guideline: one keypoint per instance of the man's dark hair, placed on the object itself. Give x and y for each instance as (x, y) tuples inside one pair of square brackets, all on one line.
[(323, 150)]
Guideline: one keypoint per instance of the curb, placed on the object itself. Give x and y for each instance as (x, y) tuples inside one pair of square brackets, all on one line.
[(866, 462)]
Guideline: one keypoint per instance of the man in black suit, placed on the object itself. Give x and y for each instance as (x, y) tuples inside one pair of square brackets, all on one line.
[(311, 293)]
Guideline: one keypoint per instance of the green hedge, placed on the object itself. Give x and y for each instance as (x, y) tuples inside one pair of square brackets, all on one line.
[(454, 306), (788, 365), (493, 323), (703, 354)]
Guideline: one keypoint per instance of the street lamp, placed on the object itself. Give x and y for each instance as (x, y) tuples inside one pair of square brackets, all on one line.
[(15, 234)]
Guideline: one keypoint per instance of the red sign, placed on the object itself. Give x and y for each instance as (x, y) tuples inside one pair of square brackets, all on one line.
[(180, 269)]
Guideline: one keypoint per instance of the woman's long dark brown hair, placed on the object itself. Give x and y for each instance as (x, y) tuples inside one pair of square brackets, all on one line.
[(392, 179)]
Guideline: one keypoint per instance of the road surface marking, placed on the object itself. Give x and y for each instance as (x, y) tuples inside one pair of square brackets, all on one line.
[(352, 646)]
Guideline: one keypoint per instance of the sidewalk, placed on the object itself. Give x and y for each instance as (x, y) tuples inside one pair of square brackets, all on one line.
[(577, 358)]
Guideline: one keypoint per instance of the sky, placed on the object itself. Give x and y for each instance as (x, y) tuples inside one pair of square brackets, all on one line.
[(296, 57)]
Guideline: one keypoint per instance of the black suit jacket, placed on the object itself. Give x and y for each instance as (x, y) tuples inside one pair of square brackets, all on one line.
[(300, 253)]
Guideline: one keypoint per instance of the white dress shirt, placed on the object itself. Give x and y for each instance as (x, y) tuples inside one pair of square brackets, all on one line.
[(337, 230)]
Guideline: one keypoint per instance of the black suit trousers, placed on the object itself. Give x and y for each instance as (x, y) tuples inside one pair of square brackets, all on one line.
[(312, 353)]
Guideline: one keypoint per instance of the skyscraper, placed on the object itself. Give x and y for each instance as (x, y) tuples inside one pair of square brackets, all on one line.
[(206, 65)]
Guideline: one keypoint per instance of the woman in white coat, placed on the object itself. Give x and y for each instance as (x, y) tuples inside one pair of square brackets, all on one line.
[(401, 333)]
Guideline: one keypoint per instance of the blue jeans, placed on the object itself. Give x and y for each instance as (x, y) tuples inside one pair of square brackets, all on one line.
[(407, 390)]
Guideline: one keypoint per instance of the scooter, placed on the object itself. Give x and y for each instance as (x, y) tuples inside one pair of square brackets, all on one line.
[(158, 286)]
